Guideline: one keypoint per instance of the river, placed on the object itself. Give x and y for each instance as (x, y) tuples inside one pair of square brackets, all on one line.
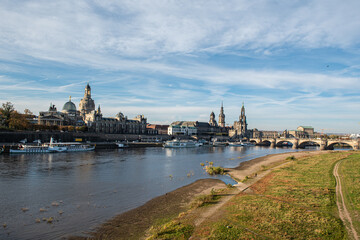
[(79, 191)]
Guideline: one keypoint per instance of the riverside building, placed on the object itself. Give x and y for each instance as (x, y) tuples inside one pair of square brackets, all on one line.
[(192, 128), (92, 118)]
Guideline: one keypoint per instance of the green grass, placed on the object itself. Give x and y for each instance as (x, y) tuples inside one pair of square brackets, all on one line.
[(172, 230), (350, 177), (293, 202)]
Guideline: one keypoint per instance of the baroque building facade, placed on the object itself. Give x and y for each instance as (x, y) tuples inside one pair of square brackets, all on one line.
[(93, 118), (210, 128), (68, 116)]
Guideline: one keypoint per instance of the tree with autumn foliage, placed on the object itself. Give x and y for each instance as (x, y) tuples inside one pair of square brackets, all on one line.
[(10, 118)]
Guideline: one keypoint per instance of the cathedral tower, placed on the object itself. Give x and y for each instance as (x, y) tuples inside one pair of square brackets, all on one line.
[(242, 120), (222, 116)]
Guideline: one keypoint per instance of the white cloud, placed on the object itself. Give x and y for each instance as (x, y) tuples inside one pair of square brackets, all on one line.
[(155, 53)]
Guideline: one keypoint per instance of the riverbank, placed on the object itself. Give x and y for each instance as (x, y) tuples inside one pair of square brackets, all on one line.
[(134, 223)]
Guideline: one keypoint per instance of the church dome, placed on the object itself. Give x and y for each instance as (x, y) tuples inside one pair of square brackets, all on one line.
[(69, 107)]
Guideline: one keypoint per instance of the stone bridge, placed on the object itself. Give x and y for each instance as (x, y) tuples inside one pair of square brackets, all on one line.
[(325, 144)]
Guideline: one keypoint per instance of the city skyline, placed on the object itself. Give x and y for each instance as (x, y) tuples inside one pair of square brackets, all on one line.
[(291, 63)]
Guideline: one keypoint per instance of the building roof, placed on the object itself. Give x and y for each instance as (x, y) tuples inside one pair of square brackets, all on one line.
[(306, 126), (69, 106)]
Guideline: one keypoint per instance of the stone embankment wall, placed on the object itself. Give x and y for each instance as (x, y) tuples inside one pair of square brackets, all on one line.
[(44, 136)]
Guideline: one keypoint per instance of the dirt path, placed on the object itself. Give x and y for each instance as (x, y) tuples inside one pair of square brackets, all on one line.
[(343, 212)]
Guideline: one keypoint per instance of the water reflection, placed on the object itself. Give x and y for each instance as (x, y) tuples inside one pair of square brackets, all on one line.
[(92, 187)]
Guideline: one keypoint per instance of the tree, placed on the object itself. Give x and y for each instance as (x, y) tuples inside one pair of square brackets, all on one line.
[(18, 121), (28, 112), (5, 113)]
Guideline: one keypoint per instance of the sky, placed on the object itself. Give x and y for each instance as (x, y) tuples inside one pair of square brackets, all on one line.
[(291, 63)]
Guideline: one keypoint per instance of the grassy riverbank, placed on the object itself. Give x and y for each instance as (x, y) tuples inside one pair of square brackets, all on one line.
[(350, 175), (295, 201)]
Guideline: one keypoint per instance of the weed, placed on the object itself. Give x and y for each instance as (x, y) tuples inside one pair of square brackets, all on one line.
[(24, 209), (172, 230), (292, 158), (214, 170)]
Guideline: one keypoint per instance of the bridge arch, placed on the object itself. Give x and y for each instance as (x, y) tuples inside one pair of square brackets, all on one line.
[(266, 142), (333, 143), (305, 143), (285, 142)]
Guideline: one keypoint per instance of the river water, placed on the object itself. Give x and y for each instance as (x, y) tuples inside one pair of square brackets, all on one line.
[(82, 190)]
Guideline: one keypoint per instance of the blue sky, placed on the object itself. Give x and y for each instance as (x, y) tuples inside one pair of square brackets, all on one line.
[(292, 62)]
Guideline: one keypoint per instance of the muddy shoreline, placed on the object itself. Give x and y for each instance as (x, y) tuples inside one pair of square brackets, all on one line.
[(133, 224)]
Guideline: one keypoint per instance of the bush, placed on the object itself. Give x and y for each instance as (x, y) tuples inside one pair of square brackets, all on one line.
[(214, 170), (291, 158)]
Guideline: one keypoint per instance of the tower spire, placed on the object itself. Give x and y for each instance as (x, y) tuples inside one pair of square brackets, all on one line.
[(222, 116)]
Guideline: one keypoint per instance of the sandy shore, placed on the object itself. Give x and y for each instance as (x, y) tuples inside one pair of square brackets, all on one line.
[(134, 223)]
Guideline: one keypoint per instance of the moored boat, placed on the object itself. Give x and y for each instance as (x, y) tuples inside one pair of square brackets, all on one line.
[(69, 146), (181, 144), (30, 149), (236, 144)]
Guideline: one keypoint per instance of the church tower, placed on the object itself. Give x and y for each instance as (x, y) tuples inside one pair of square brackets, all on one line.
[(87, 104), (242, 120), (222, 116), (212, 121)]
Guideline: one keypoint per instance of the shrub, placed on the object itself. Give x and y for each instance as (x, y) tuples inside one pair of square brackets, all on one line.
[(214, 170), (291, 158)]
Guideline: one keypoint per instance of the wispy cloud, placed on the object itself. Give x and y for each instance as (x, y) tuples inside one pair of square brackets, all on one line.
[(288, 60)]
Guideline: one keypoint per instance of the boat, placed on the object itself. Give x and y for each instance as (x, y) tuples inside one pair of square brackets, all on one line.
[(69, 146), (241, 144), (181, 144), (217, 143), (30, 149), (236, 144), (53, 147), (121, 144)]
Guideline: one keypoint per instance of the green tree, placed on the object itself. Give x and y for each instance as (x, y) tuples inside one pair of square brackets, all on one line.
[(5, 113)]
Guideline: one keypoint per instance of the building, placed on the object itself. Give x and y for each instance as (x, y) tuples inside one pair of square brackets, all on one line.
[(51, 117), (87, 104), (157, 129), (182, 128), (212, 121), (240, 127), (303, 132), (120, 124), (255, 133), (222, 116), (200, 128), (92, 118), (195, 128), (68, 116)]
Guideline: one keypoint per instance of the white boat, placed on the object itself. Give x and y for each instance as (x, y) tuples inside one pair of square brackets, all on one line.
[(31, 149), (236, 144), (241, 144), (69, 146), (180, 144), (121, 144)]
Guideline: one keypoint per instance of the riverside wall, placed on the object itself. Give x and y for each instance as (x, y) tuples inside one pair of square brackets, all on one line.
[(44, 136)]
